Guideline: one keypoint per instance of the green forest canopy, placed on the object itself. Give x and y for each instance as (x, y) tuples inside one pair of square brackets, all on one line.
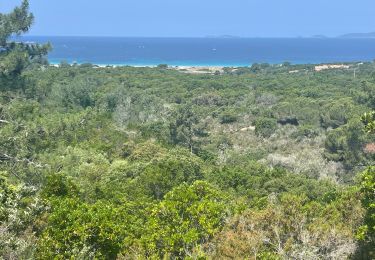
[(153, 163)]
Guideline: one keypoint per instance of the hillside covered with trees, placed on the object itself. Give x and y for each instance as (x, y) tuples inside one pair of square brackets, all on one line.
[(262, 162)]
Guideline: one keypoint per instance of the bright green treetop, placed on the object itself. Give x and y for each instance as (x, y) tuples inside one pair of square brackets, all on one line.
[(369, 120)]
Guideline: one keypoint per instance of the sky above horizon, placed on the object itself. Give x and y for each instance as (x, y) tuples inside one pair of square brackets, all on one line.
[(199, 18)]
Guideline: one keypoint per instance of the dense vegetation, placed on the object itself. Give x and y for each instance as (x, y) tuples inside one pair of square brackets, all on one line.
[(255, 163)]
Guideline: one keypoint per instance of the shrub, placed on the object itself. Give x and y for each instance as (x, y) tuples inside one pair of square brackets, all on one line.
[(265, 127), (227, 118)]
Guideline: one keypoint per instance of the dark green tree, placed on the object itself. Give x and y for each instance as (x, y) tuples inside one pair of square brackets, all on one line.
[(16, 56), (184, 129), (265, 127)]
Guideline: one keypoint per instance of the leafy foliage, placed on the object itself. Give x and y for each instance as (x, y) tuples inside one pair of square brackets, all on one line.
[(15, 57), (187, 217), (265, 126), (369, 120), (139, 163)]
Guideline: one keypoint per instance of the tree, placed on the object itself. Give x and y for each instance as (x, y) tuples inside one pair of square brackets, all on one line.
[(367, 187), (59, 185), (346, 144), (336, 114), (184, 129), (19, 210), (166, 173), (187, 217), (87, 231), (265, 127), (228, 118), (366, 232), (368, 119), (14, 56), (291, 228), (17, 22)]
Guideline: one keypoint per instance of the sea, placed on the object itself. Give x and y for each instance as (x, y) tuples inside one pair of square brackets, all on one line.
[(231, 52)]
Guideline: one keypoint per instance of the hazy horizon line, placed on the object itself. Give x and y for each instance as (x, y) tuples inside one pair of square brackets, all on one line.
[(196, 37), (223, 36)]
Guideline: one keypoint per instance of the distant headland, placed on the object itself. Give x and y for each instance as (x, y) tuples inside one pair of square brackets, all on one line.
[(358, 35)]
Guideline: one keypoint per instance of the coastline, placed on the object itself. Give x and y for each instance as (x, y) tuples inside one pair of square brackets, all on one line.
[(197, 69), (155, 64), (214, 69), (203, 52)]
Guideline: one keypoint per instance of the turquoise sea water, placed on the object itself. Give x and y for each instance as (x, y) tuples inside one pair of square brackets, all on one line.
[(204, 51)]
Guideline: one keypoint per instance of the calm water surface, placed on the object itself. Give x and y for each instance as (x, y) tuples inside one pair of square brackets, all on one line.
[(204, 51)]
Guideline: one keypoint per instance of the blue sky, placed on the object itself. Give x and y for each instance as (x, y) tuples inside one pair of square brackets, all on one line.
[(189, 18)]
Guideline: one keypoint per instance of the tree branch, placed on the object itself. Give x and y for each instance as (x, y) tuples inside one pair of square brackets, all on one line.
[(4, 157)]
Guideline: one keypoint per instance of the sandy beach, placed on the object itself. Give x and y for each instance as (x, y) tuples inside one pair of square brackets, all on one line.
[(199, 69), (183, 69)]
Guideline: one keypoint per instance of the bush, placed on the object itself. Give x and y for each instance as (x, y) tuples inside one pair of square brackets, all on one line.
[(162, 66), (189, 215), (265, 127), (227, 118)]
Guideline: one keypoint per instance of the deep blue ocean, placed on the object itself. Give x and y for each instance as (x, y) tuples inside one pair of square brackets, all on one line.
[(205, 51)]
